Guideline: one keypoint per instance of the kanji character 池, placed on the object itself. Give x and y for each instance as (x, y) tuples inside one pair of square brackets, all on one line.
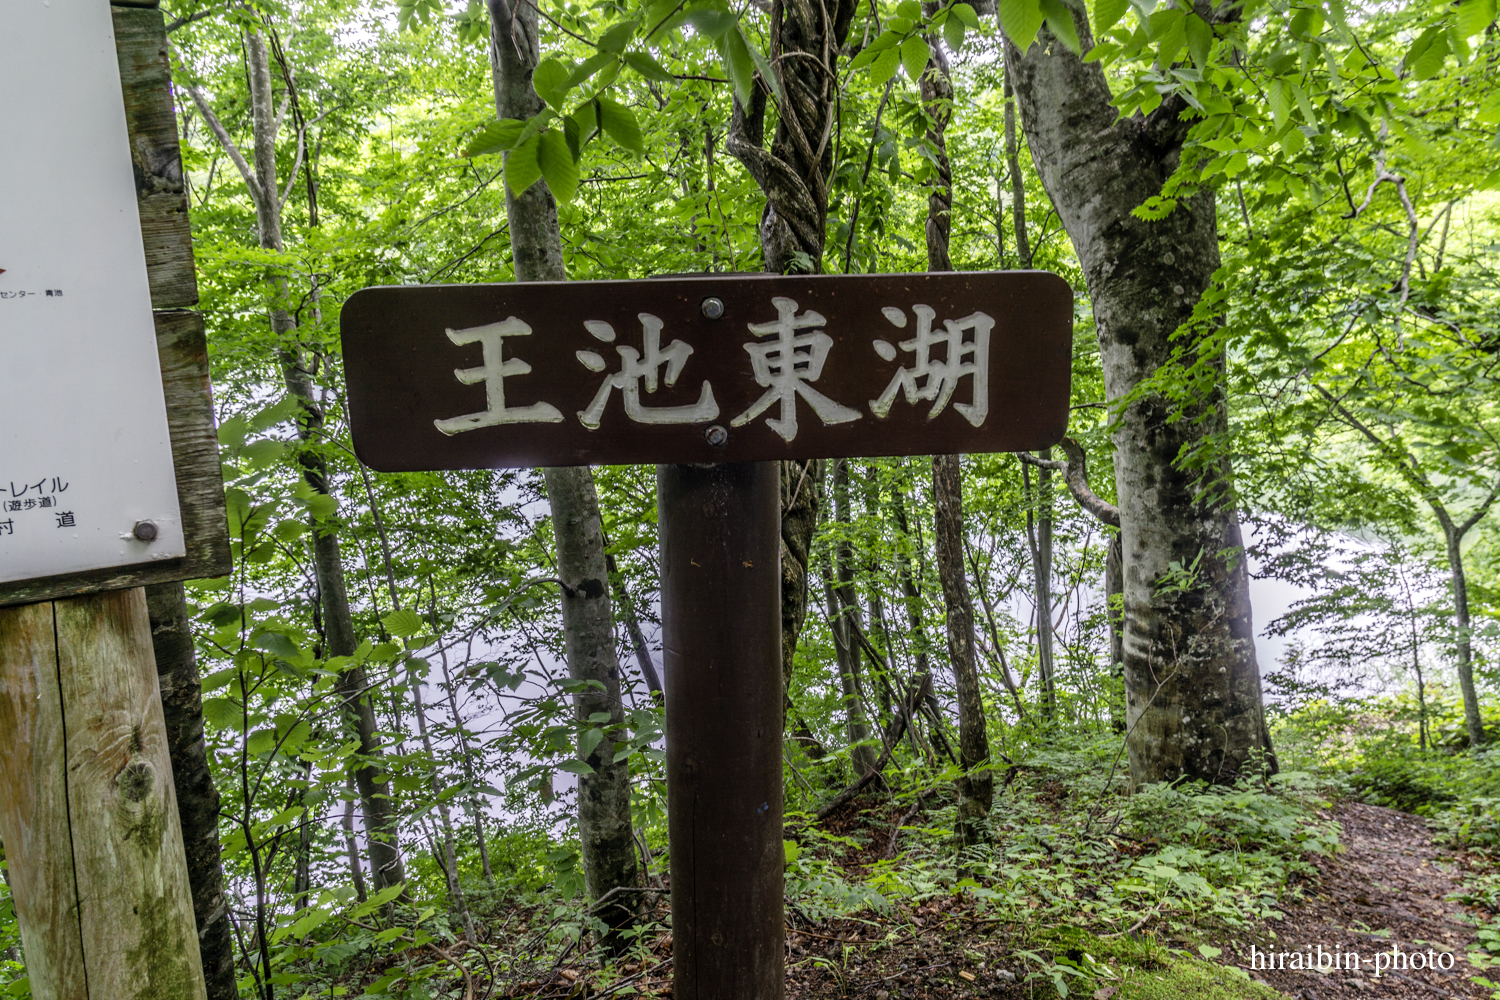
[(932, 379), (637, 367), (492, 373), (786, 365)]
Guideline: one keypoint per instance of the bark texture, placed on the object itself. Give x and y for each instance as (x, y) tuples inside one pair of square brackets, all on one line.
[(806, 38), (1192, 683), (197, 798), (604, 822), (844, 616), (976, 789), (799, 519)]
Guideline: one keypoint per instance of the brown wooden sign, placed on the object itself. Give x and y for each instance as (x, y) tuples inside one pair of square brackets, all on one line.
[(717, 368)]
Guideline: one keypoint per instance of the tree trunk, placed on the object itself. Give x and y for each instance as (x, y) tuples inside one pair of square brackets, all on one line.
[(450, 856), (197, 798), (385, 857), (976, 788), (351, 842), (633, 629), (1114, 595), (1473, 722), (604, 822), (1192, 682), (843, 614), (799, 520), (1013, 167), (1039, 541)]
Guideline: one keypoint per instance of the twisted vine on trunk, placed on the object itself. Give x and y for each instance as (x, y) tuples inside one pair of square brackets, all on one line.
[(806, 37)]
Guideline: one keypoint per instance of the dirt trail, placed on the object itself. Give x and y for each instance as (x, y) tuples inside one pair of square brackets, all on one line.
[(1385, 889)]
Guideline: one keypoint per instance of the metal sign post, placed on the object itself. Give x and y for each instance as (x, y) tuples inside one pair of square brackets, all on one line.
[(714, 379)]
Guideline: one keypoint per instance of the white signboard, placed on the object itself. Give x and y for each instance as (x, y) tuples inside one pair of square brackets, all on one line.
[(85, 459)]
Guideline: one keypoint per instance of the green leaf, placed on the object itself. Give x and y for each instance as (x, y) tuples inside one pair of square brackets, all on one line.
[(1305, 105), (223, 713), (953, 33), (521, 169), (1425, 57), (966, 14), (1060, 19), (495, 137), (1474, 16), (577, 767), (1107, 14), (885, 66), (711, 23), (763, 66), (589, 67), (1209, 952), (321, 506), (261, 742), (1280, 101), (909, 9), (588, 741), (1020, 20), (550, 80), (914, 56), (791, 850), (263, 452), (618, 122), (616, 38), (558, 166), (405, 623), (646, 65), (738, 64), (277, 644), (1200, 39)]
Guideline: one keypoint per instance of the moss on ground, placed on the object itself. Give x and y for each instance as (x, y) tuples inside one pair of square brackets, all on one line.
[(1142, 969)]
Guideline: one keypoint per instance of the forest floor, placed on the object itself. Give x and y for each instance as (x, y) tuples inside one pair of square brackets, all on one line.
[(1386, 888)]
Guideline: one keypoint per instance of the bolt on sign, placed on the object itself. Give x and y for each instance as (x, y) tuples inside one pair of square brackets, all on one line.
[(86, 466), (726, 368)]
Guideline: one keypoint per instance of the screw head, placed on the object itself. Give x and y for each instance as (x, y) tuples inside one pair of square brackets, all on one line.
[(716, 436), (144, 531), (713, 307)]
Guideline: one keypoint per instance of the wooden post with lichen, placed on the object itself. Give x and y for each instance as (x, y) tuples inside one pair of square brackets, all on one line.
[(87, 809)]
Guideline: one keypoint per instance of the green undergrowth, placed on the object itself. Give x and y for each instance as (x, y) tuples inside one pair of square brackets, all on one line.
[(1141, 968)]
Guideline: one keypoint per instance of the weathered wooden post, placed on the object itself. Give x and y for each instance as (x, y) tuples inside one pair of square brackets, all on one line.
[(108, 481), (720, 528), (718, 377)]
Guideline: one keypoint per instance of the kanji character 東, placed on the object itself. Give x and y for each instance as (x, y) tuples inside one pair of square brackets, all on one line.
[(636, 367), (935, 379), (786, 365), (492, 373)]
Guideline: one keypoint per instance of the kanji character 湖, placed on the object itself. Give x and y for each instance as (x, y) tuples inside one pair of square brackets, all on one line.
[(934, 379)]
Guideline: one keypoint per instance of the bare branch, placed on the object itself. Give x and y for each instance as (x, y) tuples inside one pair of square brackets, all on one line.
[(220, 133), (1075, 474)]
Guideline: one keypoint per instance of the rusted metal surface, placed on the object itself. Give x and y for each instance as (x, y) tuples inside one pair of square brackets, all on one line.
[(570, 377), (721, 613)]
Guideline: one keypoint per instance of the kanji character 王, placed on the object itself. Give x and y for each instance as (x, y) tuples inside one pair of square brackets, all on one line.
[(637, 367), (492, 373)]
